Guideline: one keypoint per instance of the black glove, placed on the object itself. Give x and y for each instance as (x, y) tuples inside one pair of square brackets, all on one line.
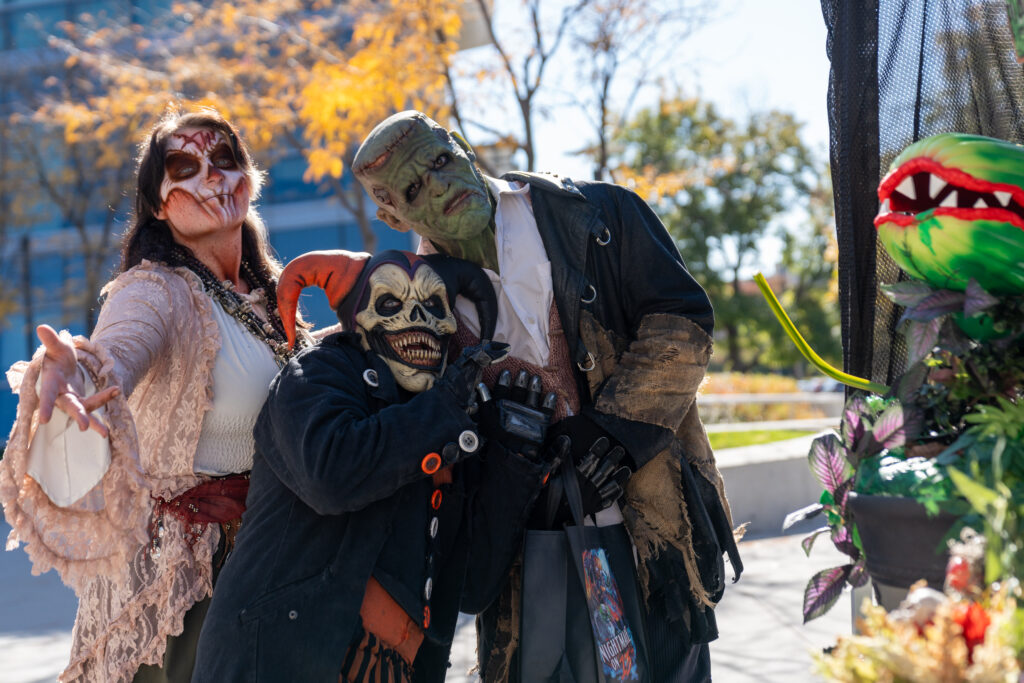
[(461, 377), (600, 462), (602, 476), (517, 414)]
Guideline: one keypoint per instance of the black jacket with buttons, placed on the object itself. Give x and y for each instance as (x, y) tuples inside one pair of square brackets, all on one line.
[(336, 459)]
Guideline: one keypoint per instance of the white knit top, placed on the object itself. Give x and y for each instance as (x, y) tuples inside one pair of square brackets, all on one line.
[(241, 379)]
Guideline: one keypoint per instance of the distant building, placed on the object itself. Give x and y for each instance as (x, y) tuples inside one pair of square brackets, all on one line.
[(778, 281)]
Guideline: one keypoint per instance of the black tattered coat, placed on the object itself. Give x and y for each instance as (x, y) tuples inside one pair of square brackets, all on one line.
[(335, 457), (638, 327)]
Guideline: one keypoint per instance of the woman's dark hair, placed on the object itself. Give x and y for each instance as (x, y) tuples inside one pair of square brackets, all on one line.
[(151, 238)]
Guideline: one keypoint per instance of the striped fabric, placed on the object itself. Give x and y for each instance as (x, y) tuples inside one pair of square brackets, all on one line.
[(369, 660)]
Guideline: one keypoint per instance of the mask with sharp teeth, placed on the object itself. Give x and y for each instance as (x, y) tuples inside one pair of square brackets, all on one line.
[(400, 304), (404, 316)]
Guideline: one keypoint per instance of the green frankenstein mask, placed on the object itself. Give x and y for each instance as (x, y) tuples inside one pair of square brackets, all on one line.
[(422, 179)]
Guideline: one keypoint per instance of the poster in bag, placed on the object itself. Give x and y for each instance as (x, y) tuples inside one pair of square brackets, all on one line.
[(613, 638)]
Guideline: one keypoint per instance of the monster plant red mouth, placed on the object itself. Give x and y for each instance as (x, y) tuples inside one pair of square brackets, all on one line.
[(419, 348), (922, 184)]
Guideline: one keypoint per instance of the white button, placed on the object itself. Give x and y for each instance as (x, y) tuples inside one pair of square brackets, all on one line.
[(370, 377), (433, 527), (293, 615), (428, 588), (468, 441)]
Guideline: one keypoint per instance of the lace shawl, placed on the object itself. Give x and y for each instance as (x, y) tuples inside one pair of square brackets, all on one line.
[(156, 338)]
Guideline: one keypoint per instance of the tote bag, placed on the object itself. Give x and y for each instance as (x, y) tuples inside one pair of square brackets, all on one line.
[(582, 620)]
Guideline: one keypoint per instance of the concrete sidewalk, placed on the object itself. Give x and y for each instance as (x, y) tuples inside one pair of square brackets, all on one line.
[(762, 638), (36, 616)]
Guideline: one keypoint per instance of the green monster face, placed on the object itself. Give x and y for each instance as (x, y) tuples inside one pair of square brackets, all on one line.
[(421, 179), (952, 209)]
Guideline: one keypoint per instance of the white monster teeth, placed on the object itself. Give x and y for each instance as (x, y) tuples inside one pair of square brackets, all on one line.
[(950, 200), (1003, 197), (906, 188), (884, 208), (980, 204), (418, 348), (421, 356), (935, 185)]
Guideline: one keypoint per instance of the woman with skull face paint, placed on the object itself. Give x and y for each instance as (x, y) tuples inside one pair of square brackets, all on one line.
[(137, 508), (389, 508)]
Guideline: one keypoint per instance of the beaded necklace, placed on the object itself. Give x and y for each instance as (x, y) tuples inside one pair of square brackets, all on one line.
[(270, 332)]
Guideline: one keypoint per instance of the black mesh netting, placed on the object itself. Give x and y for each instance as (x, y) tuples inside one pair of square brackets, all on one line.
[(903, 70)]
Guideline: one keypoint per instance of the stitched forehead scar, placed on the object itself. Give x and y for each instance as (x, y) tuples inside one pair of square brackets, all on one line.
[(383, 157), (202, 139)]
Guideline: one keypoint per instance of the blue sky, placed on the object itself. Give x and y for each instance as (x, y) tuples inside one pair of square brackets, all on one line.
[(756, 55), (762, 55)]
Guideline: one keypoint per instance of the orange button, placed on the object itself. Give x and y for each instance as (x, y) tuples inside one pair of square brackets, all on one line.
[(431, 463), (426, 617), (435, 500)]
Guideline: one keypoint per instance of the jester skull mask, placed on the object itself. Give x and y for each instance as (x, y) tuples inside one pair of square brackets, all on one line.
[(398, 303), (405, 318)]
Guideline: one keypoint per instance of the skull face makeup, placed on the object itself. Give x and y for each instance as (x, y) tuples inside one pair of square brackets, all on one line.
[(407, 321), (204, 190)]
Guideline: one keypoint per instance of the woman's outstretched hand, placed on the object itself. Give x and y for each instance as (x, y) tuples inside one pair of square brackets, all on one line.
[(59, 385)]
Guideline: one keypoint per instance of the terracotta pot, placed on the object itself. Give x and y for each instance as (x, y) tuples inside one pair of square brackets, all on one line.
[(902, 544)]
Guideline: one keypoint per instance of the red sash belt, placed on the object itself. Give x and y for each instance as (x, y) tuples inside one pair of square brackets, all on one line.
[(217, 501)]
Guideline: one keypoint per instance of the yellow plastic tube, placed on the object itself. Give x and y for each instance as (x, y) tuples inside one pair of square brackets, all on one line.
[(804, 348)]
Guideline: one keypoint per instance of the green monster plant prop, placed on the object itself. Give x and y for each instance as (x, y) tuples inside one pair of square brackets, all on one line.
[(951, 211), (1015, 10), (948, 433)]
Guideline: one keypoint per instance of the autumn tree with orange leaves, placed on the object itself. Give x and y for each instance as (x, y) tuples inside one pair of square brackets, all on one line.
[(312, 77), (71, 169), (295, 75)]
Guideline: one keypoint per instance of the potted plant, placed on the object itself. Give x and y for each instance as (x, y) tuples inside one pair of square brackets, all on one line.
[(898, 475), (974, 629), (971, 631)]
